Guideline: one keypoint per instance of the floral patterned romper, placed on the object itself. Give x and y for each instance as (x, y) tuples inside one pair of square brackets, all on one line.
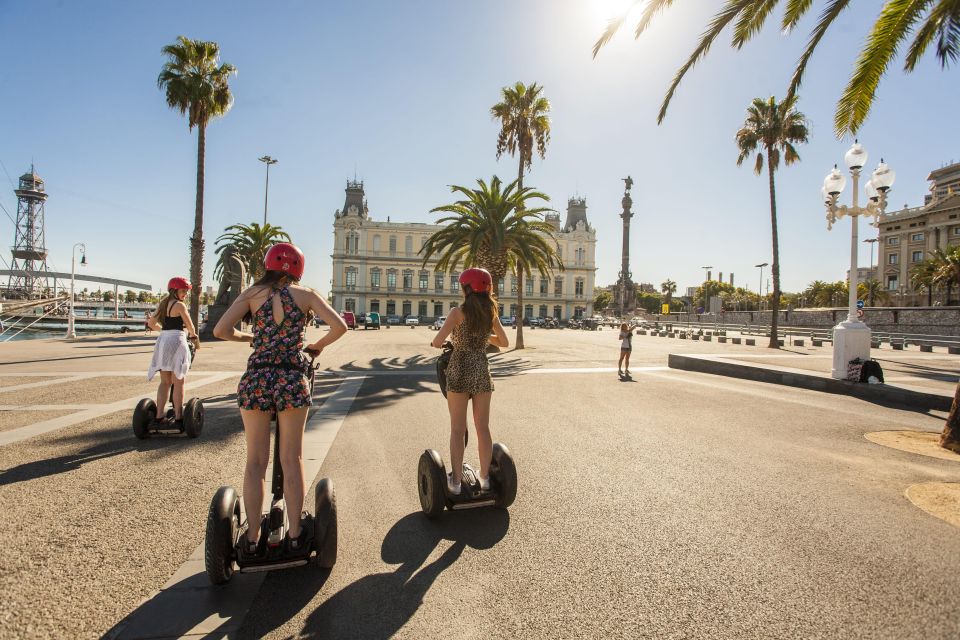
[(276, 379)]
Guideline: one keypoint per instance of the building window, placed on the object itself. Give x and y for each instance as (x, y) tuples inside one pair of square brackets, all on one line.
[(528, 311), (581, 255), (376, 244), (513, 285), (438, 309), (543, 311), (391, 307), (374, 306), (393, 245), (916, 256), (513, 311), (407, 280), (350, 304), (422, 308), (544, 286), (578, 312), (916, 237), (500, 287), (375, 279), (892, 283), (453, 305), (893, 258), (956, 231), (454, 281), (351, 279), (529, 286), (578, 287), (438, 282), (406, 307), (408, 245), (424, 281), (353, 242), (558, 287), (391, 280), (558, 312), (893, 241)]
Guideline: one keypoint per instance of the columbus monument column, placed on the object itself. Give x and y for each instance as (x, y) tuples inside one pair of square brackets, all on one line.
[(625, 294)]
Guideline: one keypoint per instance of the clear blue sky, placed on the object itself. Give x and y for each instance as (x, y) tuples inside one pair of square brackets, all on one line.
[(401, 91)]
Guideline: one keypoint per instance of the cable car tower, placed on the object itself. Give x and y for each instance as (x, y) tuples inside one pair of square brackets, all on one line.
[(29, 267)]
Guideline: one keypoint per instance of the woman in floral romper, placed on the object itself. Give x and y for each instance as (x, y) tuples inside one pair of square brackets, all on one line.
[(275, 380)]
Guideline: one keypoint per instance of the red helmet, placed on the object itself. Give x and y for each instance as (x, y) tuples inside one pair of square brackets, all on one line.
[(285, 257), (478, 279), (179, 283)]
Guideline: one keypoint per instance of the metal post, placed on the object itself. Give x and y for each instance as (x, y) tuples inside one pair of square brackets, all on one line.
[(854, 246), (116, 301), (267, 160)]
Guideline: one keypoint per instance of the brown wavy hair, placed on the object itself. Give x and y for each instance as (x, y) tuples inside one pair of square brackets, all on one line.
[(479, 310), (164, 307)]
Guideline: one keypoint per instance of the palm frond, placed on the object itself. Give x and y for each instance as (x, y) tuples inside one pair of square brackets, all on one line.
[(796, 9), (751, 21), (829, 14), (942, 23)]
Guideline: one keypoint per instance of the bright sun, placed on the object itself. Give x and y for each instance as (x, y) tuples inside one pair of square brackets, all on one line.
[(606, 10)]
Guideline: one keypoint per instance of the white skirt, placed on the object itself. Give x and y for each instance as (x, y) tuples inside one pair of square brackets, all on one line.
[(170, 353)]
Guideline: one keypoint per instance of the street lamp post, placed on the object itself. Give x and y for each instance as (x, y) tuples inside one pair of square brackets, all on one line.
[(851, 338), (267, 160), (706, 278), (760, 286), (71, 332), (871, 242)]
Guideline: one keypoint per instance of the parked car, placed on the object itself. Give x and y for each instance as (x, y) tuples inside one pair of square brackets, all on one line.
[(361, 318), (349, 318), (373, 321), (507, 321), (439, 323), (393, 319), (412, 321)]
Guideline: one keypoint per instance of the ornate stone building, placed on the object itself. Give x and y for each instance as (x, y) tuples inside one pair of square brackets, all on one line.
[(377, 267), (909, 235)]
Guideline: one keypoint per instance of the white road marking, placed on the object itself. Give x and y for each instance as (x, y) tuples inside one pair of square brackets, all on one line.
[(46, 426), (222, 610), (44, 383)]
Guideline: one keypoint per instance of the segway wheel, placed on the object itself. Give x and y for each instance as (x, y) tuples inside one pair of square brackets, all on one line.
[(325, 524), (431, 482), (193, 417), (143, 416), (223, 523), (504, 474)]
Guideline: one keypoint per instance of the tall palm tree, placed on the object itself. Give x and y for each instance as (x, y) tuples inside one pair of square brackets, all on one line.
[(251, 243), (770, 128), (668, 287), (948, 267), (875, 291), (196, 85), (524, 116), (494, 227), (923, 277), (926, 20)]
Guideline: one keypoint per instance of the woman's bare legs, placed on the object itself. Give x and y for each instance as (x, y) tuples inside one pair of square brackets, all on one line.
[(627, 368), (163, 393), (457, 403), (620, 362), (292, 422), (178, 384), (256, 429), (481, 420)]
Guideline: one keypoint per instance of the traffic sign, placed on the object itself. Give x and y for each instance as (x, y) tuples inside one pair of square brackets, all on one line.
[(859, 304)]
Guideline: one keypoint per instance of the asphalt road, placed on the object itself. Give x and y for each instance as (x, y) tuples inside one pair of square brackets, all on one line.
[(677, 505)]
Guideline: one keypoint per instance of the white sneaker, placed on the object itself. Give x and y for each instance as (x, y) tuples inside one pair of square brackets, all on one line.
[(485, 484), (454, 489)]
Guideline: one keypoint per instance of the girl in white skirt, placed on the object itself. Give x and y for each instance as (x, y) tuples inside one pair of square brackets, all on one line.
[(171, 355)]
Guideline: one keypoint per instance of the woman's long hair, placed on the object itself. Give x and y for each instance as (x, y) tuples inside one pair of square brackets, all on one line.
[(479, 310), (164, 307)]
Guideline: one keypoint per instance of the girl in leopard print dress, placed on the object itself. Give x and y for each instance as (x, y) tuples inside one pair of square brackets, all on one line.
[(468, 375)]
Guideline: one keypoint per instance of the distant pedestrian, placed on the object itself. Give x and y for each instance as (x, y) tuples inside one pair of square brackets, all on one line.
[(171, 354), (626, 346)]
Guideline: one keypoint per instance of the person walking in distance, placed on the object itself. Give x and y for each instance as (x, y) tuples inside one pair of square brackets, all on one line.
[(626, 346), (471, 327)]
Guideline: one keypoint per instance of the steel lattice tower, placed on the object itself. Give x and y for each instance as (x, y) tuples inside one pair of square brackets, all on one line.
[(29, 266)]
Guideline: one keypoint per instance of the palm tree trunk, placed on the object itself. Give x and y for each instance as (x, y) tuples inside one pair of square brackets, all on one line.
[(196, 241), (950, 438), (775, 268), (519, 320), (929, 295)]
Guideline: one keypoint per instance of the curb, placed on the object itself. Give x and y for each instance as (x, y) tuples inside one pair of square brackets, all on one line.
[(814, 382)]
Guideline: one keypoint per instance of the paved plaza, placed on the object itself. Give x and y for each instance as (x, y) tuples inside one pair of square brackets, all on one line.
[(676, 504)]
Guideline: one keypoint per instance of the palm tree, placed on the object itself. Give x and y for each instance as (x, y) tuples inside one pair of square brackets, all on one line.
[(668, 287), (926, 20), (524, 116), (771, 127), (251, 243), (196, 85), (874, 291), (494, 228), (948, 267), (923, 277)]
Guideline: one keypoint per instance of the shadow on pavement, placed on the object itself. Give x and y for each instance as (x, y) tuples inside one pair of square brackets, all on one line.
[(377, 605), (94, 355)]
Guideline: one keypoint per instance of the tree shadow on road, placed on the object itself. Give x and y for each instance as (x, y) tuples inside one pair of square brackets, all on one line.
[(379, 605)]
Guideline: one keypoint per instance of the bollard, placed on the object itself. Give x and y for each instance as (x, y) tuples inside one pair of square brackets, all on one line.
[(780, 343), (953, 350), (896, 346), (874, 344), (926, 348), (694, 336), (816, 343), (798, 342), (721, 339), (683, 336), (735, 340), (708, 337), (751, 342)]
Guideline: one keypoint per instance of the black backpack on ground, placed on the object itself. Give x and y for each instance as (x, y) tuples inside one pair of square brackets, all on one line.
[(871, 368)]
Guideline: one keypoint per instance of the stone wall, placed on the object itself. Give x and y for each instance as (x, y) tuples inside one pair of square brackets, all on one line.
[(942, 321)]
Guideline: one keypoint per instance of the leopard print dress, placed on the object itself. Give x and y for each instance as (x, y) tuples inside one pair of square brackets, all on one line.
[(468, 371)]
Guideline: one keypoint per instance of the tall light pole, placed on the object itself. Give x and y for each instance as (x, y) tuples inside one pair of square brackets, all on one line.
[(267, 160), (71, 332), (851, 338), (871, 242), (706, 278), (760, 286)]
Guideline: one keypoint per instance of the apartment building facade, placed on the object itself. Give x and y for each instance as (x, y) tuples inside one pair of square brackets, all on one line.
[(377, 267)]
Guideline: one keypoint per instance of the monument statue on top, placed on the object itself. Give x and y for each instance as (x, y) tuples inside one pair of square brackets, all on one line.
[(626, 298)]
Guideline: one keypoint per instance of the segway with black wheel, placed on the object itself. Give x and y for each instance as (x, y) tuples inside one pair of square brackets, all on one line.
[(145, 415), (226, 531), (434, 495)]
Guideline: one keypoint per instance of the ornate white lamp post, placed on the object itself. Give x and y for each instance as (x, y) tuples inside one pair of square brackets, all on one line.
[(851, 338), (71, 333)]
